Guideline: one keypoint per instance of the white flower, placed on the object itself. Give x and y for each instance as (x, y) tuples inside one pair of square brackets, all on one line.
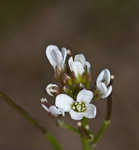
[(56, 57), (81, 58), (79, 64), (79, 108), (52, 89), (102, 83), (53, 110)]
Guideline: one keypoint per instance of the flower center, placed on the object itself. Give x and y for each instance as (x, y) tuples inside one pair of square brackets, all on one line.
[(79, 106)]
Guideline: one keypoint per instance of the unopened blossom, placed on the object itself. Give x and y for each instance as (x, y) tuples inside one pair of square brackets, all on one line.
[(103, 84), (78, 108), (53, 110), (81, 58), (66, 79), (52, 89), (56, 57), (79, 64), (87, 127)]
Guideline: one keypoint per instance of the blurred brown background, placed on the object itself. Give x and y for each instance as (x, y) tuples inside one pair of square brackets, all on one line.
[(107, 32)]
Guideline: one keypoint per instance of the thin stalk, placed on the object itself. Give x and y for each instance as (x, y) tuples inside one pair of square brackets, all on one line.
[(105, 123), (33, 121), (62, 124), (85, 144), (100, 132)]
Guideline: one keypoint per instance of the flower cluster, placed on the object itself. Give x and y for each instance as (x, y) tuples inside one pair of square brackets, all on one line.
[(74, 94)]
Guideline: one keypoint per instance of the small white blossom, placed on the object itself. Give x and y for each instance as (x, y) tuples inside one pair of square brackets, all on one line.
[(102, 83), (52, 89), (79, 108), (53, 110), (79, 64), (56, 57), (81, 58)]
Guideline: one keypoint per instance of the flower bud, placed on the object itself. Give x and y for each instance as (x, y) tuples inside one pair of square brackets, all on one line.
[(66, 79), (103, 83), (112, 77), (87, 127), (81, 85), (79, 124), (68, 51), (67, 90), (44, 104), (52, 89), (58, 73)]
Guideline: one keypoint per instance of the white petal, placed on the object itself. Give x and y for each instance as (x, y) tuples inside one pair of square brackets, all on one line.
[(76, 115), (62, 112), (107, 76), (54, 56), (64, 102), (64, 54), (78, 68), (70, 62), (54, 111), (90, 112), (104, 76), (101, 87), (43, 102), (109, 90), (100, 77), (85, 96), (88, 65), (80, 58), (45, 107)]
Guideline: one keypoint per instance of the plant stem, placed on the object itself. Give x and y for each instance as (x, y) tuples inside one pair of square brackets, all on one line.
[(33, 121), (109, 108), (100, 132), (62, 124), (105, 123), (85, 144)]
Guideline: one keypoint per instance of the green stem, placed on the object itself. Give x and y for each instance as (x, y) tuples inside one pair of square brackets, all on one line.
[(85, 144), (105, 123), (100, 132), (62, 124), (33, 121)]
